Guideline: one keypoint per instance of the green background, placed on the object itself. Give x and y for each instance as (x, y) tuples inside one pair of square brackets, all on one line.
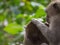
[(15, 15)]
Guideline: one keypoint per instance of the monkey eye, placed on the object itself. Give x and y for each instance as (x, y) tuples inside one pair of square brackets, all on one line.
[(55, 6)]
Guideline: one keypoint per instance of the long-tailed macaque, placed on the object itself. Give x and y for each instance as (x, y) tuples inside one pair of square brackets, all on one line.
[(43, 34)]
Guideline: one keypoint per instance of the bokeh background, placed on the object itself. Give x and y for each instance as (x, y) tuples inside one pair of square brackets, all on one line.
[(15, 15)]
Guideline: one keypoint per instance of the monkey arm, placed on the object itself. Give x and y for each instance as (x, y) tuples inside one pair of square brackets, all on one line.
[(35, 33)]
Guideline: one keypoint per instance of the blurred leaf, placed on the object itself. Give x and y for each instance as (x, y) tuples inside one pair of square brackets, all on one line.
[(13, 28), (28, 6), (40, 12), (2, 17), (19, 18)]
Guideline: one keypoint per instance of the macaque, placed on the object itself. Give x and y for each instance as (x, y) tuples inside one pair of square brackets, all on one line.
[(38, 33)]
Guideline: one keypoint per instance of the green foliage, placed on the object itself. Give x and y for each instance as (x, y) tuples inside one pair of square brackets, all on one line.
[(40, 12), (13, 28), (17, 14), (1, 17)]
